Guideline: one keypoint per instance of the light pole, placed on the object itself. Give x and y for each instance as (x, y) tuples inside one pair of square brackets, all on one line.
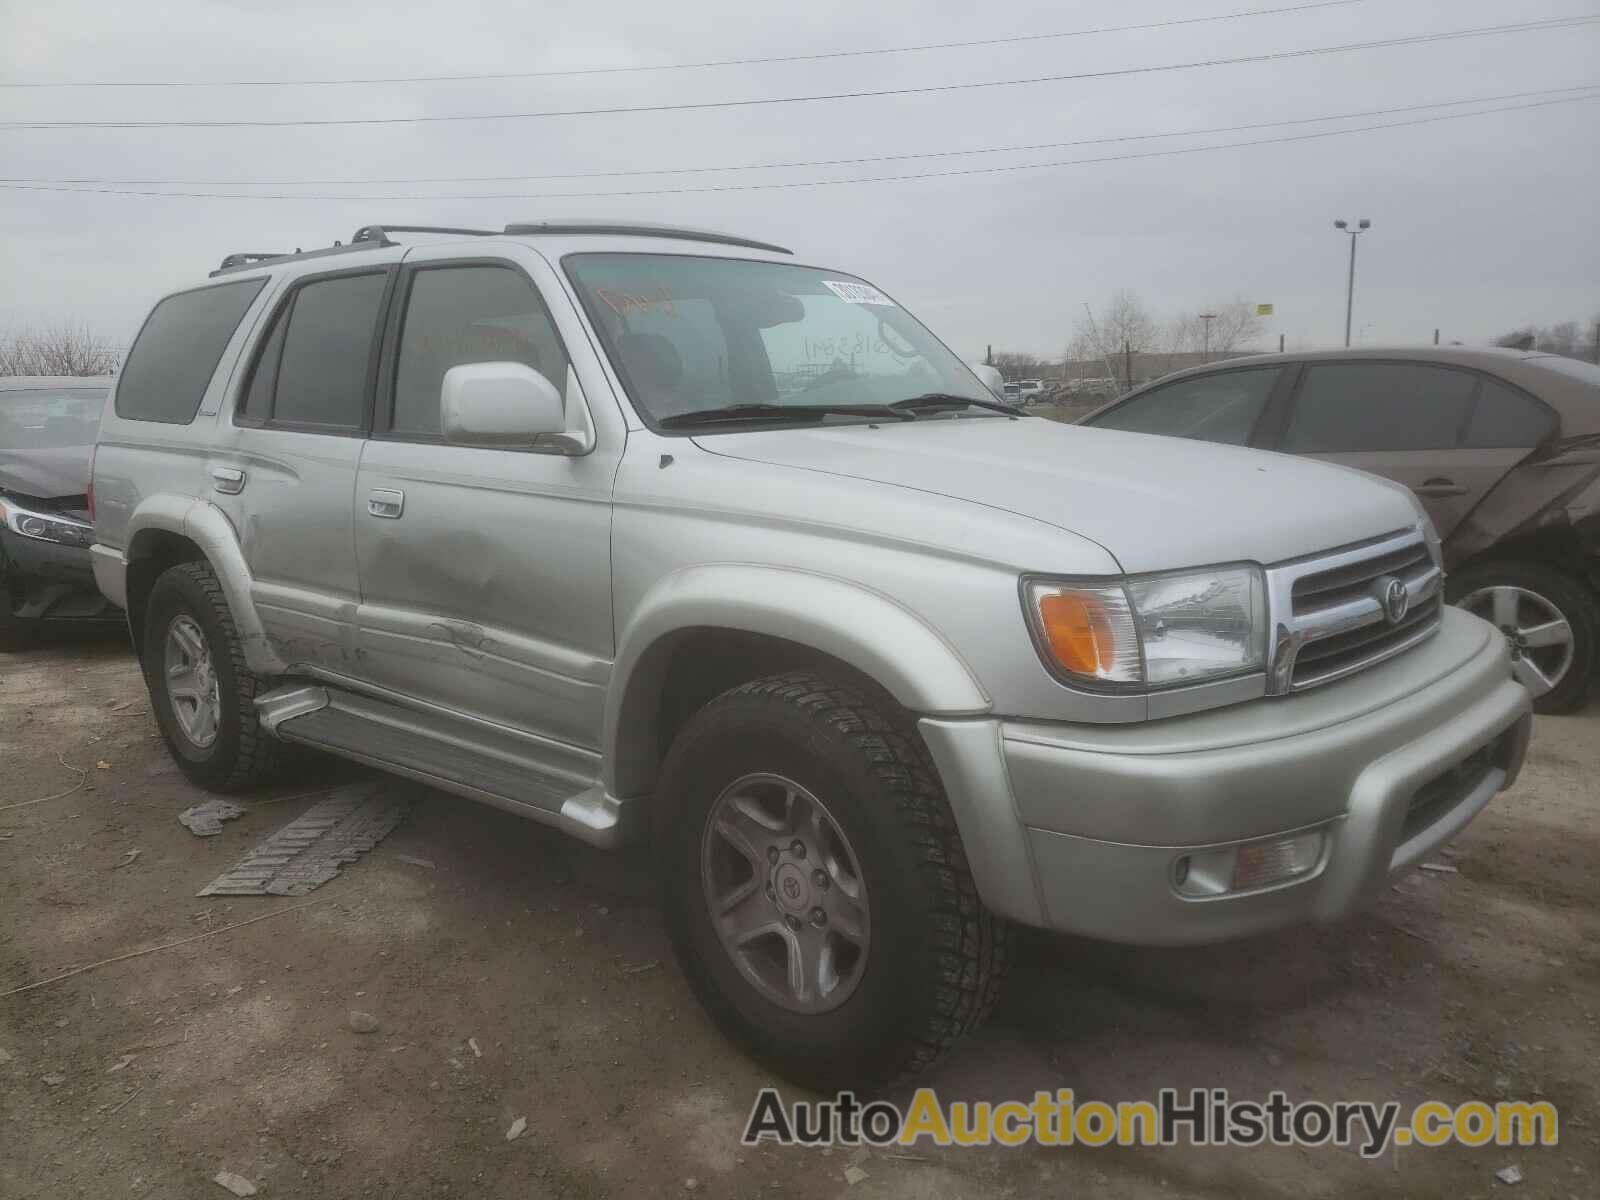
[(1350, 285), (1205, 336)]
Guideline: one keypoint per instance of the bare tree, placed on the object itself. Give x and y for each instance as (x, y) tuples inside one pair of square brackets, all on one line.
[(1126, 324), (1566, 338), (1013, 365), (1122, 328), (65, 348), (1234, 325), (1561, 339)]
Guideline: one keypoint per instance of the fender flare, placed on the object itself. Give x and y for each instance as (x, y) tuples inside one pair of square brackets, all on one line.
[(874, 633), (208, 528)]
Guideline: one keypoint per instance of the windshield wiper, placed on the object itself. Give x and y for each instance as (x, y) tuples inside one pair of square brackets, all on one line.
[(929, 401), (737, 413)]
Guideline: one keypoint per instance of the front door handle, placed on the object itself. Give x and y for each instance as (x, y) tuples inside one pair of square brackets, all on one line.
[(386, 502), (227, 480), (1440, 486)]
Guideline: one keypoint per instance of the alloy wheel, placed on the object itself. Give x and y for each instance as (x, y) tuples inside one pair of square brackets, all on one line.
[(191, 681), (1542, 645), (785, 892)]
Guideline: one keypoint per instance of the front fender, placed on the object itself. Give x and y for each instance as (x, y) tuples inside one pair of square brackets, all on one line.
[(208, 528), (872, 632)]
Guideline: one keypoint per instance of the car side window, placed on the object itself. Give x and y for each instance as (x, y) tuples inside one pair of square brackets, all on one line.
[(1350, 407), (178, 349), (468, 314), (327, 349), (1505, 417), (258, 397), (1223, 407)]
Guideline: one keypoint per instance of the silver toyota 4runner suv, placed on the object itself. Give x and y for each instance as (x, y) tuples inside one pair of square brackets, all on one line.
[(643, 530)]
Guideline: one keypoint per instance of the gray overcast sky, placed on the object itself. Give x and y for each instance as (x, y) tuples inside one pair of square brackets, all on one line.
[(1480, 224)]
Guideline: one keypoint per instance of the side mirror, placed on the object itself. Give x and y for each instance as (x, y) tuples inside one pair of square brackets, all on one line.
[(499, 404)]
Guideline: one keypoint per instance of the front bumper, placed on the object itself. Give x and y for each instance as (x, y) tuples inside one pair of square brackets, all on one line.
[(1089, 829), (46, 581)]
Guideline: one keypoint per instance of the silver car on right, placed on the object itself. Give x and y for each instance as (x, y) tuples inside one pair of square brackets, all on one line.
[(1501, 446)]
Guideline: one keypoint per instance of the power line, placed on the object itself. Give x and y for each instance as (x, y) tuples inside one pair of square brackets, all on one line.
[(685, 66), (821, 162), (1413, 39), (781, 186)]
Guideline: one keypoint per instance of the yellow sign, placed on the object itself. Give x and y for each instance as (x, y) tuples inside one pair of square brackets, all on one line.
[(1263, 310)]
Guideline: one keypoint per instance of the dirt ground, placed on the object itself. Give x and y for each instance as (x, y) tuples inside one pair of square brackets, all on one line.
[(517, 975)]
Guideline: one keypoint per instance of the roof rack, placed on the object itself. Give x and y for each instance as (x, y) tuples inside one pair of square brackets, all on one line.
[(242, 262), (376, 237), (380, 233), (368, 237), (580, 226)]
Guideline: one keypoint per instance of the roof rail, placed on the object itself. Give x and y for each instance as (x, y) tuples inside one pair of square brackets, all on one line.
[(368, 237), (630, 228), (376, 237), (246, 256), (380, 233)]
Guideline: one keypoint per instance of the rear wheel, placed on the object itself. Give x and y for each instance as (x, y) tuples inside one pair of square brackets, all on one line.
[(815, 886), (201, 691), (1550, 619)]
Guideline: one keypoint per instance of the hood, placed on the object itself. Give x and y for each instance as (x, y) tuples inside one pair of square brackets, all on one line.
[(45, 474), (1154, 503)]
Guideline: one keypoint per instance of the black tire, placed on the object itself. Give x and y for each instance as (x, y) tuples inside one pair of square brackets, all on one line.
[(936, 956), (242, 754), (1568, 595)]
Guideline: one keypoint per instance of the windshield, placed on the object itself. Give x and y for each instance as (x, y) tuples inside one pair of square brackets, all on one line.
[(691, 335), (47, 418)]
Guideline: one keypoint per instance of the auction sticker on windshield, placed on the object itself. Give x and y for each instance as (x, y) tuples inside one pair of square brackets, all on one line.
[(852, 292)]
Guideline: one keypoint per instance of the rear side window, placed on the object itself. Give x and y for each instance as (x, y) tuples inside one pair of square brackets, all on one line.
[(314, 365), (177, 351), (1211, 408), (1351, 407), (1507, 418), (327, 350)]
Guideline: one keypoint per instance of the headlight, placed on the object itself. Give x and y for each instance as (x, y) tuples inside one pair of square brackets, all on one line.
[(1431, 536), (1152, 631), (46, 527)]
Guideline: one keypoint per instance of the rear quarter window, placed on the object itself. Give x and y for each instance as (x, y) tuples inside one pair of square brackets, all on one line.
[(177, 351), (1507, 418)]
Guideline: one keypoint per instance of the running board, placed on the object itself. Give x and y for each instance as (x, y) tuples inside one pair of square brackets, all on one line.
[(452, 755)]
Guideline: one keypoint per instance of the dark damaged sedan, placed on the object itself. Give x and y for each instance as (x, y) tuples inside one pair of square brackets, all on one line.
[(1501, 446), (47, 431)]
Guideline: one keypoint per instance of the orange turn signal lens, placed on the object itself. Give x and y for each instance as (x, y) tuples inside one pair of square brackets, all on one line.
[(1078, 631)]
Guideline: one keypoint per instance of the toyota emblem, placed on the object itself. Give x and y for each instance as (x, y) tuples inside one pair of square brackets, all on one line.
[(1396, 600)]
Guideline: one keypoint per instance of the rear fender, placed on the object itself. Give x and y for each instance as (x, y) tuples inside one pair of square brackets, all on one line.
[(205, 525)]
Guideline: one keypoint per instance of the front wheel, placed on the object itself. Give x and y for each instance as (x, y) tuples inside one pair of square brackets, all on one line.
[(815, 886), (1550, 619)]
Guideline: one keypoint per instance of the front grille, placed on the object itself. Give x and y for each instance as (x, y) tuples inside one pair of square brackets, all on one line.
[(1330, 616), (1327, 657), (1347, 582)]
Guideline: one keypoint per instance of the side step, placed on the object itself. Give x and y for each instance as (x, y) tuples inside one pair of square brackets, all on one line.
[(545, 782)]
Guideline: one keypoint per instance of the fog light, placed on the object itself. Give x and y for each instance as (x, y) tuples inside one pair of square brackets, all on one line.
[(1262, 864)]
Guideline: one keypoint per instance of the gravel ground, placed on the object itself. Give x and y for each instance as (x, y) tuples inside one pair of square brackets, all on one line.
[(516, 976)]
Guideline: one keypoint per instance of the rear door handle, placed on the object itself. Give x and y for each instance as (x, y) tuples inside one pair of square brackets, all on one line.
[(1440, 486), (386, 502), (227, 480)]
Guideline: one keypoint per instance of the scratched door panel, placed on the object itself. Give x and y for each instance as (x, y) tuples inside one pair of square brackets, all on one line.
[(485, 573), (490, 593)]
